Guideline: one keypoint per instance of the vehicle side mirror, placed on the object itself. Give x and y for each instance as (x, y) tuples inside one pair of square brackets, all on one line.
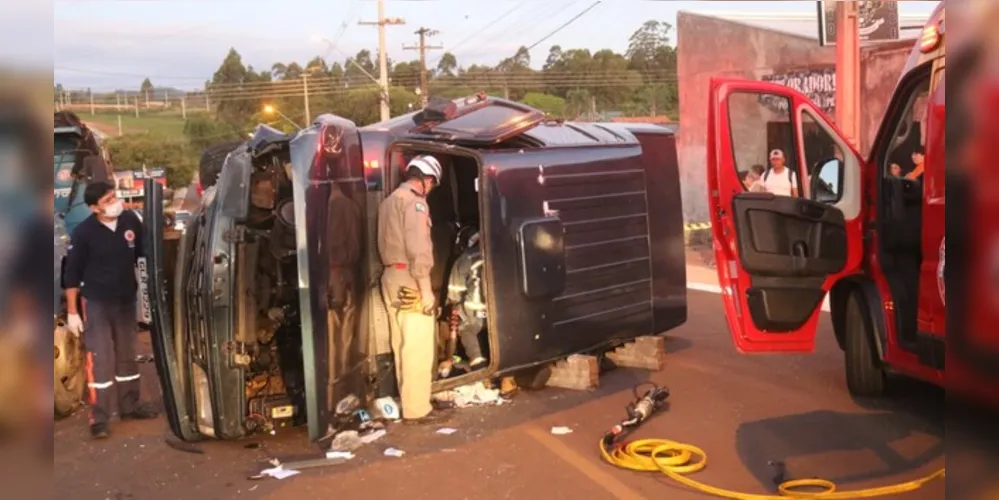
[(96, 169), (827, 181)]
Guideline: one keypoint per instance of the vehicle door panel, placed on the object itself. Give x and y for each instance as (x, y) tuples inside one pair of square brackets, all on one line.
[(217, 292), (777, 256), (163, 335), (573, 222), (330, 194)]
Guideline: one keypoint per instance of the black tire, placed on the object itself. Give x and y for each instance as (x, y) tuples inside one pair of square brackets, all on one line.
[(865, 375), (212, 160), (69, 376)]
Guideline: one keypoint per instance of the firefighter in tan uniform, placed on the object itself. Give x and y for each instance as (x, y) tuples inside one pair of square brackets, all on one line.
[(407, 253)]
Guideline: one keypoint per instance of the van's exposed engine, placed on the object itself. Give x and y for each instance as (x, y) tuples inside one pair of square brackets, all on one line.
[(268, 302)]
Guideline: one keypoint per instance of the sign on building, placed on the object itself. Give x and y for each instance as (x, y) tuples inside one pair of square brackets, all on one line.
[(878, 21), (129, 183), (818, 84)]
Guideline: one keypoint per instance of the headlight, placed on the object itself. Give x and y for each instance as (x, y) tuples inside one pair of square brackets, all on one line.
[(203, 402)]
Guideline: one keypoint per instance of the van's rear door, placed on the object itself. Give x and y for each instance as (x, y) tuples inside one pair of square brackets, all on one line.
[(162, 333), (329, 193), (778, 256)]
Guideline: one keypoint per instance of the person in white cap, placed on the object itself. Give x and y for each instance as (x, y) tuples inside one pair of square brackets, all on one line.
[(778, 179), (407, 252)]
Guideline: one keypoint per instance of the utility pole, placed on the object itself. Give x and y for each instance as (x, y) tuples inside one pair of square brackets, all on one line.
[(136, 106), (119, 125), (91, 92), (423, 48), (382, 56), (305, 88), (183, 107), (848, 70)]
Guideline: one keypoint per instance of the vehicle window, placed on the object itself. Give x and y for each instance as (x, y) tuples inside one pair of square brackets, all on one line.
[(763, 142), (906, 147), (483, 120), (823, 157)]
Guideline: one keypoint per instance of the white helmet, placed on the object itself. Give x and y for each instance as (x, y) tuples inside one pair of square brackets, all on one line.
[(428, 165)]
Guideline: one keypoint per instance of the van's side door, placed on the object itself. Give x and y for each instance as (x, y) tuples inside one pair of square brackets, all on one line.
[(777, 256), (566, 249)]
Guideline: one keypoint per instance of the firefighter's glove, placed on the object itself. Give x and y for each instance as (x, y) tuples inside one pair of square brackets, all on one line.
[(74, 324), (427, 299), (409, 300)]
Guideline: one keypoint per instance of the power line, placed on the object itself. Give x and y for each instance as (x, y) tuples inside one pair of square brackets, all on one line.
[(523, 24), (567, 23), (481, 30)]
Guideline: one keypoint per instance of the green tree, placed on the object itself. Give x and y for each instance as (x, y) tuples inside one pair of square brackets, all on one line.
[(236, 96), (133, 151), (202, 131), (448, 65), (146, 89), (650, 52), (550, 104)]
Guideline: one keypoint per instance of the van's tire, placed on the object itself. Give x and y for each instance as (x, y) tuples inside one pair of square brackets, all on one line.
[(865, 375), (212, 159), (69, 372)]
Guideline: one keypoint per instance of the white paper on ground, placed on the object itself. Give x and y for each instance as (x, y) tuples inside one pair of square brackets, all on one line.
[(476, 394), (278, 472), (345, 455), (447, 431), (392, 452), (373, 436), (561, 430)]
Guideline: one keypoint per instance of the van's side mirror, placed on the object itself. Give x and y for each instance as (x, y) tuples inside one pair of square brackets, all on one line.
[(827, 181), (95, 169)]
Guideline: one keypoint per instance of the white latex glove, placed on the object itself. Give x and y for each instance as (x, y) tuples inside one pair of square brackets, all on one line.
[(74, 324)]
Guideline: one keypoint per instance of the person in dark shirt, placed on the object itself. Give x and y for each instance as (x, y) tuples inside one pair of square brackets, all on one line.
[(100, 266)]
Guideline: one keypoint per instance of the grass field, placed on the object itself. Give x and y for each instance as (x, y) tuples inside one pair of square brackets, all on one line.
[(168, 124)]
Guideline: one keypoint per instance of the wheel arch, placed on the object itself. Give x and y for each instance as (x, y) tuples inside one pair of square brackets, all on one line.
[(870, 301)]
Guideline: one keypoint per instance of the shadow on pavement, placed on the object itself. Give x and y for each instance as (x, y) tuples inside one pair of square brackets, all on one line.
[(914, 413)]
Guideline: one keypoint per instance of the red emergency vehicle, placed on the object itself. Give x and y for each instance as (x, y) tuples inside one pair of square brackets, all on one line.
[(866, 233)]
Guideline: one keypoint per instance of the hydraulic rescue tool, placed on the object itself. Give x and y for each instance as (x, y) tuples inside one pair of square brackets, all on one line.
[(676, 460)]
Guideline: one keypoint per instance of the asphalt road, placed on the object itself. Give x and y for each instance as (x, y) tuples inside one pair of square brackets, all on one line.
[(744, 411)]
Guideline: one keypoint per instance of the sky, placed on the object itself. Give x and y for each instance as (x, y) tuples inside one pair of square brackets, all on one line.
[(106, 45)]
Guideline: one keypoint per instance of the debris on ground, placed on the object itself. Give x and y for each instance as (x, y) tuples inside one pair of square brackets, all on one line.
[(144, 358), (561, 430), (343, 455), (470, 395), (278, 472), (447, 431), (385, 409), (346, 441), (372, 436), (393, 452)]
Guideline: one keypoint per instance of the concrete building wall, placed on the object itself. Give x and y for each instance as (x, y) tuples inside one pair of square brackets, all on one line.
[(712, 47)]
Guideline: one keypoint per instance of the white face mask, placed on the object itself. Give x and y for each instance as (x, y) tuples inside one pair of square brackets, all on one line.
[(115, 209)]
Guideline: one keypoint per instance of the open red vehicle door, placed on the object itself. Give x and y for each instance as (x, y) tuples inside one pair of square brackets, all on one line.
[(779, 251)]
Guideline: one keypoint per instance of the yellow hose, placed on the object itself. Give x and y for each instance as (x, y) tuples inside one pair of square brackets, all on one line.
[(674, 460)]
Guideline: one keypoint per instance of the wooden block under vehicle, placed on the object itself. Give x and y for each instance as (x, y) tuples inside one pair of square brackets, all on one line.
[(647, 353), (577, 372)]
